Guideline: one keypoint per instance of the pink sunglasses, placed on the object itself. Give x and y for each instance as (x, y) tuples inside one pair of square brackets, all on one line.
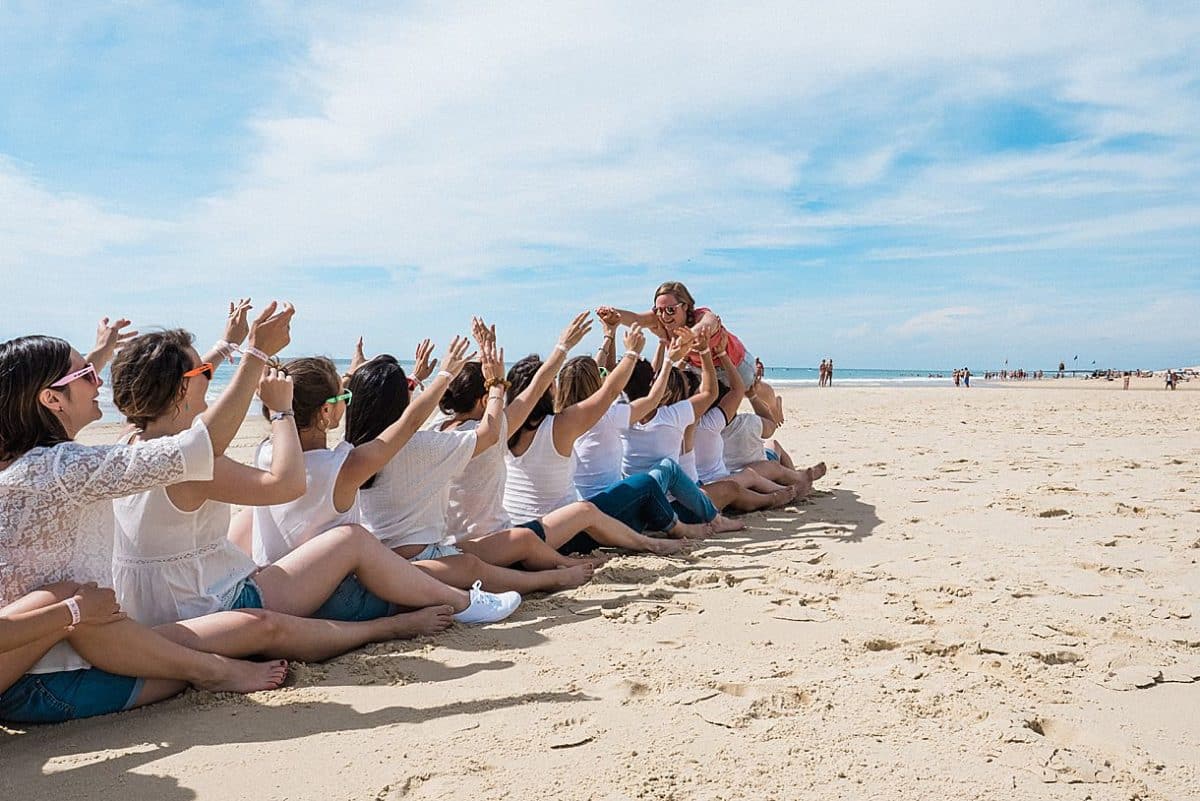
[(88, 370)]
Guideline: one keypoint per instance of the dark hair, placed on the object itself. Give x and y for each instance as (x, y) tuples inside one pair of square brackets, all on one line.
[(147, 375), (315, 379), (681, 294), (465, 390), (677, 388), (520, 376), (27, 366), (640, 380), (380, 390), (578, 380), (722, 391)]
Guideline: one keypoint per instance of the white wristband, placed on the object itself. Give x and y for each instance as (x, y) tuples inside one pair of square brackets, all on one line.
[(632, 353), (446, 374), (562, 347), (256, 353), (73, 605), (226, 349)]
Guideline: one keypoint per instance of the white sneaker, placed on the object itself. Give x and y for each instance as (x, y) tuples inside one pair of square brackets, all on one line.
[(488, 607)]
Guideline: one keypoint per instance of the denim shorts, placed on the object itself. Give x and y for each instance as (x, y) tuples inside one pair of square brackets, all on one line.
[(248, 596), (580, 543), (352, 602), (67, 695), (772, 456), (436, 551)]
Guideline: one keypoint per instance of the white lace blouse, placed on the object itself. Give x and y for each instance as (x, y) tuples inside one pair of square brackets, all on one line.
[(56, 515)]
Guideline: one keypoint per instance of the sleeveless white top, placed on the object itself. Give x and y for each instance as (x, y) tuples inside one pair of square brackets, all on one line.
[(709, 447), (646, 444), (476, 506), (284, 527), (170, 565), (743, 441), (598, 452), (541, 479)]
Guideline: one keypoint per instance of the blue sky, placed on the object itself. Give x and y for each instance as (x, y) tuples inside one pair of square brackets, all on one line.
[(893, 185)]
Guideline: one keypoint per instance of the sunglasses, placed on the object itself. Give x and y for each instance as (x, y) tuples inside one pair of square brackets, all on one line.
[(205, 369), (346, 396), (661, 310), (88, 370)]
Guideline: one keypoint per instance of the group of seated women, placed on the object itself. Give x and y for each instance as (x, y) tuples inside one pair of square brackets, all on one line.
[(125, 575)]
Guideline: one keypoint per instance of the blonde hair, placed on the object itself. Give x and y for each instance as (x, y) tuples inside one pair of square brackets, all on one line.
[(578, 380)]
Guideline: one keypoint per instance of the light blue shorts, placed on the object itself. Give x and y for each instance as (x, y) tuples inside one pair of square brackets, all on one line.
[(68, 695), (248, 596), (436, 551), (352, 602)]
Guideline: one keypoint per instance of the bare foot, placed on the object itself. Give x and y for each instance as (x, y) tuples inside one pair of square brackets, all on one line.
[(430, 620), (666, 547), (782, 497), (243, 676), (720, 524), (595, 560), (817, 471), (690, 531), (571, 577)]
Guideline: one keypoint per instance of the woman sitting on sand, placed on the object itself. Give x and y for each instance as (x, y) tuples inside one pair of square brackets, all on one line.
[(476, 519), (675, 307), (173, 559), (661, 433), (56, 529), (541, 464)]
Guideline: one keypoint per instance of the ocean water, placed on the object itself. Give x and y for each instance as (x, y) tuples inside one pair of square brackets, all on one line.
[(777, 376)]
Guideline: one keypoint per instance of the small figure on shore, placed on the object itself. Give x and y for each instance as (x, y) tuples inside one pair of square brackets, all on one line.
[(822, 373), (966, 376), (829, 373), (1126, 385)]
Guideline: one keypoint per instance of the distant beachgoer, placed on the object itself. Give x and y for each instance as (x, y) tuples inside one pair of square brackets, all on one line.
[(821, 371), (957, 378), (966, 375), (829, 374), (1126, 386)]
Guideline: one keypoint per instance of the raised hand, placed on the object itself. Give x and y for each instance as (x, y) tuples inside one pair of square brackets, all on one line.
[(576, 330), (424, 366), (275, 389), (457, 355), (271, 331), (109, 338), (491, 360), (97, 605), (358, 359), (608, 318), (678, 350), (635, 338), (236, 325)]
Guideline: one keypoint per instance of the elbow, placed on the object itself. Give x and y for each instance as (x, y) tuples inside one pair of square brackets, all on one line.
[(285, 490)]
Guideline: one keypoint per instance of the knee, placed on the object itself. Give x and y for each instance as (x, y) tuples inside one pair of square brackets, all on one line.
[(268, 626)]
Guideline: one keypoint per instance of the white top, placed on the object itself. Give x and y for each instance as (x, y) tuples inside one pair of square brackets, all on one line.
[(743, 441), (284, 527), (662, 438), (407, 503), (476, 506), (598, 452), (171, 565), (709, 446), (56, 515), (687, 461), (541, 479)]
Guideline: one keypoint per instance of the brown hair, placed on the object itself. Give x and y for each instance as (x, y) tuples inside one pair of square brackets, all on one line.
[(578, 380), (27, 366), (315, 379), (147, 375), (681, 294)]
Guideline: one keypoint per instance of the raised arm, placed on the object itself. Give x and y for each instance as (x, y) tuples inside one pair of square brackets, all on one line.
[(369, 458), (606, 356), (574, 421), (707, 325), (234, 482), (269, 334), (663, 362), (737, 387), (491, 363), (519, 410), (707, 393), (627, 317), (236, 329), (109, 338)]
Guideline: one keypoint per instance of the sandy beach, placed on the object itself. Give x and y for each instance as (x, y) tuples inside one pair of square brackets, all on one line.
[(994, 595)]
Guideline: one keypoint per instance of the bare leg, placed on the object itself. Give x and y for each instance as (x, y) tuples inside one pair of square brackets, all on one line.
[(725, 494), (304, 579), (785, 458), (772, 400), (464, 570), (250, 632), (603, 529), (129, 649), (752, 480), (16, 663)]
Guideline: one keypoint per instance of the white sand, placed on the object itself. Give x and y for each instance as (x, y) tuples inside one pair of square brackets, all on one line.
[(993, 597)]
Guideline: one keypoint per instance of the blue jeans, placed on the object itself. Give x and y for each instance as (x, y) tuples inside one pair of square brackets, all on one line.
[(638, 502), (67, 695), (691, 502)]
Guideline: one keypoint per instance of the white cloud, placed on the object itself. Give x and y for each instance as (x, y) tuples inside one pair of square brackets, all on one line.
[(937, 321)]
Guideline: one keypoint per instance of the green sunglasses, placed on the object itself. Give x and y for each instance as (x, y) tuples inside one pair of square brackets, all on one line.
[(347, 396)]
